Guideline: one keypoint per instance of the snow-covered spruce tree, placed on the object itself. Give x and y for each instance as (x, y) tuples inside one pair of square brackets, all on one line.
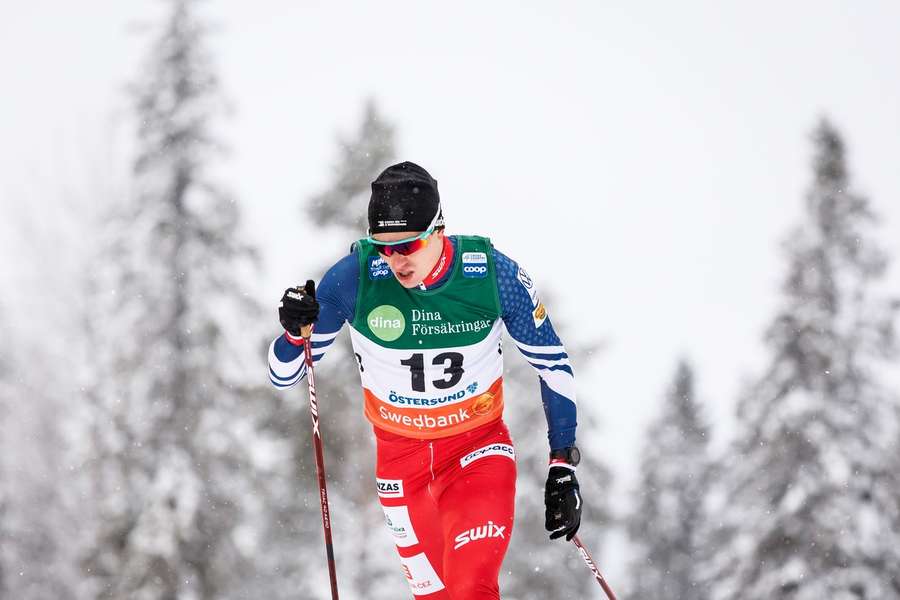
[(535, 567), (665, 524), (171, 450), (34, 528), (811, 492), (344, 203), (360, 536)]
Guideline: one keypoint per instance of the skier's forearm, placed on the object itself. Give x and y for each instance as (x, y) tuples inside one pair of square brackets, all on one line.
[(562, 418), (286, 364)]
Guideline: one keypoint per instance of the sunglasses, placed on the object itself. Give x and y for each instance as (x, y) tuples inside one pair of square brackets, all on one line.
[(409, 245), (404, 247)]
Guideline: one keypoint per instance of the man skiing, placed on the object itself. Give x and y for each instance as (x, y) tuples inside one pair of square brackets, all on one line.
[(426, 313)]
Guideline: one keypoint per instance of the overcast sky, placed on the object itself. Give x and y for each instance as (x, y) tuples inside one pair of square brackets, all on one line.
[(643, 162)]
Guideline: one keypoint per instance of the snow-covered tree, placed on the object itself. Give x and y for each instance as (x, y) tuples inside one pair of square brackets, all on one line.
[(360, 536), (344, 203), (172, 455), (665, 524), (810, 508), (35, 527)]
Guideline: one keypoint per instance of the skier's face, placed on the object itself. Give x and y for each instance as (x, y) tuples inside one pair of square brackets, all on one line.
[(412, 269)]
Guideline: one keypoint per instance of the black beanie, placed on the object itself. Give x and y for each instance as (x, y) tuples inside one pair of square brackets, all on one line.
[(404, 198)]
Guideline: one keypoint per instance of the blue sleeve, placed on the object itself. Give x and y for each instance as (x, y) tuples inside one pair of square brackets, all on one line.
[(336, 294), (528, 323)]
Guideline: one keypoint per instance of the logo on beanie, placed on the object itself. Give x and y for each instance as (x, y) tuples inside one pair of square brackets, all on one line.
[(396, 217), (396, 223), (386, 322)]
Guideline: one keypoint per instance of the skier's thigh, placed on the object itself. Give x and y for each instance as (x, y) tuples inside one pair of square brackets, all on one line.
[(414, 525), (477, 511)]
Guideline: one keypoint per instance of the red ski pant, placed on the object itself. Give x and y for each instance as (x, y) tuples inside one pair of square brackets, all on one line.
[(449, 505)]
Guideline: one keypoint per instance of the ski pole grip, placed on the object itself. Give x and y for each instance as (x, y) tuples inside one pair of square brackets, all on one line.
[(310, 290)]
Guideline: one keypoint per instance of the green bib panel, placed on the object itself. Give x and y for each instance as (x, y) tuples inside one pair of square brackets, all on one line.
[(459, 313)]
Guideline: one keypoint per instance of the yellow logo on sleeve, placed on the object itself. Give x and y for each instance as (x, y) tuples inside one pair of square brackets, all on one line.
[(539, 314)]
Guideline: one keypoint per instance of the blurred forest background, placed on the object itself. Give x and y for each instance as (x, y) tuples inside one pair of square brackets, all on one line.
[(143, 454)]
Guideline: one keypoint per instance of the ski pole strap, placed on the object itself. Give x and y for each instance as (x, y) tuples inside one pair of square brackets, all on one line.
[(296, 341)]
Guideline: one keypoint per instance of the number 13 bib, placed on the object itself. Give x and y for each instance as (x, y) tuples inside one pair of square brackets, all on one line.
[(430, 360)]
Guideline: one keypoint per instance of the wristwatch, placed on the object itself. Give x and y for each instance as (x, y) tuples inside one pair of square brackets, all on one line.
[(570, 455)]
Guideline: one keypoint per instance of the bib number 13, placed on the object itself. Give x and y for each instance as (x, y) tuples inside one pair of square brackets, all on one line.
[(453, 370)]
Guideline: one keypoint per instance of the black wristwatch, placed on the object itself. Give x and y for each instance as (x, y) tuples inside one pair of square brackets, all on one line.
[(570, 455)]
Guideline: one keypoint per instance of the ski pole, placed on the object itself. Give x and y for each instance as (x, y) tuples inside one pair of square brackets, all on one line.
[(306, 333), (590, 563)]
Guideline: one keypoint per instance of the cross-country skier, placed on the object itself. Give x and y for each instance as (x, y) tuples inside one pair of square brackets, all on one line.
[(426, 313)]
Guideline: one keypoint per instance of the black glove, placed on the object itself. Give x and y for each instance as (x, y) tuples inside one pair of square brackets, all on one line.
[(298, 307), (563, 502)]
